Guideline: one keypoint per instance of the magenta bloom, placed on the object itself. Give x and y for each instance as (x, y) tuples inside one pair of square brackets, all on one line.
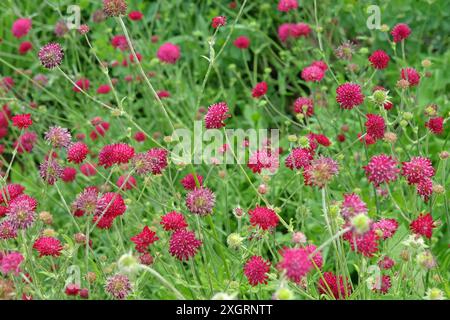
[(295, 263), (335, 284), (379, 59), (263, 217), (115, 154), (216, 115), (298, 158), (77, 152), (200, 201), (173, 221), (435, 125), (58, 137), (189, 182), (312, 74), (135, 15), (168, 53), (22, 121), (21, 212), (423, 225), (21, 27), (242, 42), (218, 21), (256, 269), (352, 206), (411, 75), (400, 32), (375, 126), (183, 244), (381, 169), (385, 228), (51, 55), (259, 90), (349, 95), (263, 159), (417, 169), (10, 263), (118, 286), (81, 84), (48, 246), (320, 172), (50, 171), (304, 106), (287, 5)]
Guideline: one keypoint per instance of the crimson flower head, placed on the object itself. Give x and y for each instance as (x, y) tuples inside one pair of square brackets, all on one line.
[(263, 217), (183, 244), (168, 53), (366, 243), (385, 228), (375, 126), (263, 159), (216, 115), (189, 182), (330, 284), (77, 152), (109, 206), (400, 32), (256, 269), (48, 246), (287, 5), (81, 84), (379, 59), (312, 73), (51, 55), (200, 201), (435, 125), (295, 262), (25, 47), (10, 263), (349, 95), (21, 27), (423, 225), (298, 158), (259, 90), (118, 286), (411, 75), (22, 121), (144, 239), (242, 42), (304, 106), (158, 159), (173, 221), (219, 21), (417, 169), (381, 169), (115, 154), (135, 15)]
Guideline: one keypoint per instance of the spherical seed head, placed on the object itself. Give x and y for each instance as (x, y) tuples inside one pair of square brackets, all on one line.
[(283, 294), (118, 286), (50, 171), (380, 97), (51, 55), (114, 8), (234, 241)]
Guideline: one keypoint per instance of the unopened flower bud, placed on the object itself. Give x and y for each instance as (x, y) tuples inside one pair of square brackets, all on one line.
[(234, 241), (46, 217), (361, 223)]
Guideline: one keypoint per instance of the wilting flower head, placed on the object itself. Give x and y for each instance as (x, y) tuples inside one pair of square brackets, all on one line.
[(51, 55), (114, 8), (118, 286), (7, 230), (168, 53), (200, 201), (320, 172), (345, 51), (58, 137), (216, 115), (263, 217), (400, 32), (87, 200), (50, 171), (349, 95), (352, 206), (256, 269), (183, 244), (381, 169)]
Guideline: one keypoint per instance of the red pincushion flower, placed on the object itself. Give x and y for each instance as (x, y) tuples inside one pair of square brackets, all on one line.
[(22, 121), (349, 95), (263, 159), (375, 126), (298, 158), (423, 225), (366, 244), (259, 90), (383, 284), (256, 269), (88, 169), (400, 32), (296, 263), (305, 106), (322, 140), (68, 174), (317, 257), (379, 59), (352, 206), (48, 246), (385, 228), (81, 84), (144, 239), (103, 89), (417, 169), (119, 42), (126, 182), (287, 5), (320, 64), (435, 125), (25, 47), (189, 182), (218, 21), (77, 152), (11, 192), (293, 30), (173, 221), (425, 188), (115, 154), (162, 94), (51, 55), (411, 75), (21, 27), (183, 244), (158, 159), (242, 42), (140, 136), (312, 74), (109, 206), (72, 289), (386, 263), (135, 15), (339, 288), (263, 217), (381, 169), (216, 115), (168, 53)]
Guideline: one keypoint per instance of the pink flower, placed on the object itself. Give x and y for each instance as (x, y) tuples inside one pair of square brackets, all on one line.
[(411, 75), (144, 239), (173, 221), (183, 244), (256, 269), (385, 228), (22, 121), (375, 126), (259, 90), (168, 53), (242, 42), (200, 201), (352, 206), (435, 125), (298, 158), (400, 32), (217, 113), (312, 74), (287, 5), (25, 47), (417, 169), (10, 263), (423, 225), (51, 55), (339, 288), (349, 95), (103, 89), (189, 182), (379, 59), (135, 15), (21, 27), (81, 84), (263, 217), (295, 263), (118, 286), (77, 152), (218, 21), (381, 169), (304, 106), (48, 246)]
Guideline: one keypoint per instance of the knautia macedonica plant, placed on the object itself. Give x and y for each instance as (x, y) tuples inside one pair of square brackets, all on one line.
[(230, 150)]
